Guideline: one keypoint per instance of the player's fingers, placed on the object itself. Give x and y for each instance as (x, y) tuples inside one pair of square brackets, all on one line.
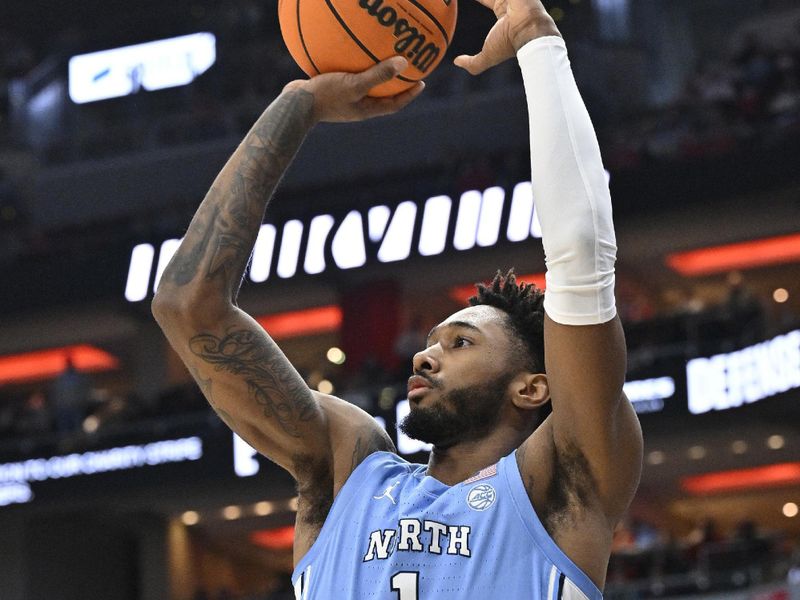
[(475, 65), (375, 107), (382, 72)]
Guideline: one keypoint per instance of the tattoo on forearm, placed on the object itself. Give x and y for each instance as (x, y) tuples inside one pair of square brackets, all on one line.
[(271, 381), (226, 225), (183, 267), (228, 256)]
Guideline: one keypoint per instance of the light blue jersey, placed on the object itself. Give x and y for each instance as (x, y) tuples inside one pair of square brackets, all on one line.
[(395, 533)]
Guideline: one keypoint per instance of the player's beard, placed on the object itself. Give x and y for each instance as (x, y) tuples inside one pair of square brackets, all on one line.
[(463, 414)]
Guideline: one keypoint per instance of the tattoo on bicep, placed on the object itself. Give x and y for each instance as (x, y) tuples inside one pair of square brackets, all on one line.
[(369, 441), (271, 380)]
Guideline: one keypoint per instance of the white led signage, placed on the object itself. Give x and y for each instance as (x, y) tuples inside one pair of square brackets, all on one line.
[(729, 380), (648, 395), (15, 477), (151, 66), (380, 233)]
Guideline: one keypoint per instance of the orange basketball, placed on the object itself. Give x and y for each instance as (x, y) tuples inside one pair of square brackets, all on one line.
[(352, 35)]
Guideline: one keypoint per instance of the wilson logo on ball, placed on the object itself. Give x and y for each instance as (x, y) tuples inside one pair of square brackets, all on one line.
[(410, 41), (329, 36)]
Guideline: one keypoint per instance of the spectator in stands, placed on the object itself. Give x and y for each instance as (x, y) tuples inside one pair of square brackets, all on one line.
[(645, 535), (743, 311), (70, 395), (34, 418), (713, 85), (705, 532), (784, 108)]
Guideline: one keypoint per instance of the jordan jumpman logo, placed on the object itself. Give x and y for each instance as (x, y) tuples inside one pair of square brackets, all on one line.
[(388, 493)]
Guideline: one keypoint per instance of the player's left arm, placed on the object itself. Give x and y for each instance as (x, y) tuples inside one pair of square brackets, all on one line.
[(595, 432)]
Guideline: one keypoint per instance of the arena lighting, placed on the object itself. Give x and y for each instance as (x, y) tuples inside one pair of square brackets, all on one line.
[(336, 356), (739, 447), (151, 66), (780, 295), (323, 319), (776, 442), (325, 387), (462, 293), (231, 513), (45, 364), (778, 475), (190, 517), (744, 255), (262, 509), (281, 538), (696, 452)]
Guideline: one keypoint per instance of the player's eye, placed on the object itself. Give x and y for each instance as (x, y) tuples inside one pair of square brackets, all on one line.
[(460, 342)]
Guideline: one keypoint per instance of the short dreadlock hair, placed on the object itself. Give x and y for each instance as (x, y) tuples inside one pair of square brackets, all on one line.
[(523, 303)]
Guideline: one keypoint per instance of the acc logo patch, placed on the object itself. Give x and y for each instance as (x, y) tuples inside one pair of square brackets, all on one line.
[(481, 497)]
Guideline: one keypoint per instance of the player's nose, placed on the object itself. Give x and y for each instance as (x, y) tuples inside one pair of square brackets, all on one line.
[(426, 360)]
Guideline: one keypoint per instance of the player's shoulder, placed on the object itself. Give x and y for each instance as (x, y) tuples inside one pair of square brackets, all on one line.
[(354, 435), (348, 421)]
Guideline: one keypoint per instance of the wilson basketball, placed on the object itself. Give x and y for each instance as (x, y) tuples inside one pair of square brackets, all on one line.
[(352, 35)]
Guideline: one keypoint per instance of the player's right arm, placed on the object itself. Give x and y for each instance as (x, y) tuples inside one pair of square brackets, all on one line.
[(242, 372)]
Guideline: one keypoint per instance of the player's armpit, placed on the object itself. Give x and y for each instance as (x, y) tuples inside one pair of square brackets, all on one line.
[(591, 416)]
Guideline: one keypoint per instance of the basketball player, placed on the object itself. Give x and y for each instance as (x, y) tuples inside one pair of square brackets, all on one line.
[(503, 509)]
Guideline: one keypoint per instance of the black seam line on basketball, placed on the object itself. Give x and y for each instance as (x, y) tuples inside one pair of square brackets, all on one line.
[(432, 18), (358, 41), (561, 586), (303, 40)]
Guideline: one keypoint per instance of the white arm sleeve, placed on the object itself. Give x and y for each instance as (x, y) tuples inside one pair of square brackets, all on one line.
[(569, 188)]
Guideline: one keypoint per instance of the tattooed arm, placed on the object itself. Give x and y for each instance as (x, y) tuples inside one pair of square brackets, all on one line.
[(242, 372)]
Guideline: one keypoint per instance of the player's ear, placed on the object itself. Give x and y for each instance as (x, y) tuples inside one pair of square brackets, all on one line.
[(530, 391)]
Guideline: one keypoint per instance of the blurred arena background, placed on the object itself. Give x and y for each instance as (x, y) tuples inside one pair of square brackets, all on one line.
[(118, 482)]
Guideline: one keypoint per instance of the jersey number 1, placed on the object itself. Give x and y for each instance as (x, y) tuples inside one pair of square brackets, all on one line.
[(406, 584)]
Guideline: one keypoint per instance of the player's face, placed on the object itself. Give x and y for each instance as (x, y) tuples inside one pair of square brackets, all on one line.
[(461, 380)]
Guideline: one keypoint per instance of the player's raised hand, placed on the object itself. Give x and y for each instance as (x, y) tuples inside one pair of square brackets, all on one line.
[(518, 22), (342, 97)]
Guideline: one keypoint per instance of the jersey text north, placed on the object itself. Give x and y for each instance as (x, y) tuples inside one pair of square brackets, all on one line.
[(413, 535)]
